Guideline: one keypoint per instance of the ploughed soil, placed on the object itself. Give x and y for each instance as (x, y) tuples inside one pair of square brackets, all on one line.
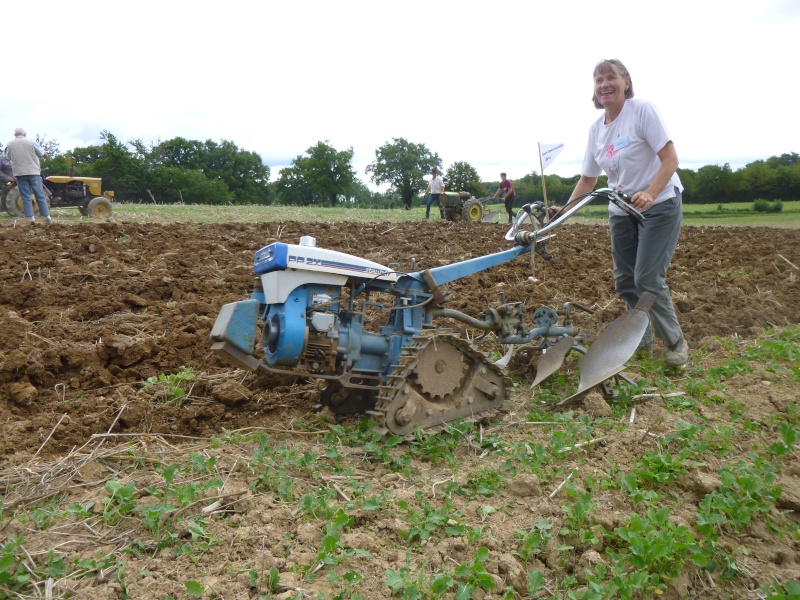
[(89, 312)]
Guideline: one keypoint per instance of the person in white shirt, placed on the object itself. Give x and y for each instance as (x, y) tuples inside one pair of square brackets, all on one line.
[(632, 146), (435, 190)]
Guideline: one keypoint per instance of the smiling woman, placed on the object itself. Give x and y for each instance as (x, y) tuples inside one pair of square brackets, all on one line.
[(631, 145)]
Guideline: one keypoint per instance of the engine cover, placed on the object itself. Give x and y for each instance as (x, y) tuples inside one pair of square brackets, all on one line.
[(280, 257)]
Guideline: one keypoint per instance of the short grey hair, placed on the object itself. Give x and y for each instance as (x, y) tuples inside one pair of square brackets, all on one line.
[(613, 64), (19, 131)]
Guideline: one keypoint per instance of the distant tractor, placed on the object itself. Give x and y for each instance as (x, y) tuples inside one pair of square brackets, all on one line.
[(63, 191), (463, 206)]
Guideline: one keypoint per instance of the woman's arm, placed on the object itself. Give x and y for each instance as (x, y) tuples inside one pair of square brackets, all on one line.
[(669, 164)]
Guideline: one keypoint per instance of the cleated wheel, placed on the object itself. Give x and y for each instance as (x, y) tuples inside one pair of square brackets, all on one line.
[(440, 378), (99, 207), (472, 211), (13, 203), (440, 370)]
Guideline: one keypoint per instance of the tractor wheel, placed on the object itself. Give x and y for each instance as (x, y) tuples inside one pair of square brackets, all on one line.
[(99, 207), (473, 210), (13, 204)]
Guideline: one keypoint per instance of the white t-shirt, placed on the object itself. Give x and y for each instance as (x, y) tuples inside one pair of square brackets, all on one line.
[(627, 151), (437, 185)]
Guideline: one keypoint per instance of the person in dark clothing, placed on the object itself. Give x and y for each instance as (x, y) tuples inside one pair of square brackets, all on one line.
[(6, 173), (507, 189)]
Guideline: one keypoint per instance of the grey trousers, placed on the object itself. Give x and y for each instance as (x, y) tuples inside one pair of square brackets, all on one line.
[(641, 257)]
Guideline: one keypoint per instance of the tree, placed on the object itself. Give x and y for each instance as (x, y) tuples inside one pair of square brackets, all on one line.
[(55, 163), (120, 170), (403, 165), (759, 180), (328, 171), (174, 185), (784, 160), (359, 195), (292, 189), (687, 178), (243, 172), (713, 183), (49, 147), (462, 177), (787, 182), (323, 175)]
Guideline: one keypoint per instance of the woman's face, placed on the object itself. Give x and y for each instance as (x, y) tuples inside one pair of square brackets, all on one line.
[(609, 87)]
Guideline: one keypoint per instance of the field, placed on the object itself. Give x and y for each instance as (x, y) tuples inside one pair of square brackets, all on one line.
[(135, 464)]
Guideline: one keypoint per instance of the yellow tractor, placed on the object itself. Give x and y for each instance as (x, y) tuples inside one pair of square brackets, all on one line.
[(63, 191)]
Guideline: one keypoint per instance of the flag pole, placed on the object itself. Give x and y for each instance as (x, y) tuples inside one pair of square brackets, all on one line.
[(544, 187)]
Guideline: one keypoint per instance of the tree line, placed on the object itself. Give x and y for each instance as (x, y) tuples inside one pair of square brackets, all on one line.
[(208, 172)]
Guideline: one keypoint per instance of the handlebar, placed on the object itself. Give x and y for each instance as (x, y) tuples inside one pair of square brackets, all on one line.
[(536, 211)]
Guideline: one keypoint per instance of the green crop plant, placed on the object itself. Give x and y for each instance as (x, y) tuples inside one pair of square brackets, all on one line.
[(744, 492), (403, 584), (789, 590), (423, 523), (42, 516), (440, 447), (486, 482), (534, 457), (318, 504), (120, 503), (532, 542), (655, 468), (473, 576), (630, 484), (19, 573), (349, 583), (789, 438), (171, 497), (578, 514), (333, 549), (171, 389)]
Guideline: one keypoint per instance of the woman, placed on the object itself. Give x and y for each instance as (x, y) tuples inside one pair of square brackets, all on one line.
[(632, 146)]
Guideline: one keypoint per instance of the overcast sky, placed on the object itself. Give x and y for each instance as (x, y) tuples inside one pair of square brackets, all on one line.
[(480, 82)]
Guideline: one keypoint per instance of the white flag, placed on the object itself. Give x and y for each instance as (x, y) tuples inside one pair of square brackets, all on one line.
[(549, 153)]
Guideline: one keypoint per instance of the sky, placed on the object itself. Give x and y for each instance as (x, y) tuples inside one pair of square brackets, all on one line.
[(476, 82)]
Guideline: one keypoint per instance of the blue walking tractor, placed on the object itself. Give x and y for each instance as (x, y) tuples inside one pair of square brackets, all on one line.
[(374, 335)]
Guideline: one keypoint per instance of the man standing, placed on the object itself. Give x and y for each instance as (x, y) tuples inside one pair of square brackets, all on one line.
[(24, 155), (435, 189), (507, 187)]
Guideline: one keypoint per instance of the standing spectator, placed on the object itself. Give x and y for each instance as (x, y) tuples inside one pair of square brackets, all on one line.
[(507, 189), (435, 189), (27, 170), (6, 172)]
